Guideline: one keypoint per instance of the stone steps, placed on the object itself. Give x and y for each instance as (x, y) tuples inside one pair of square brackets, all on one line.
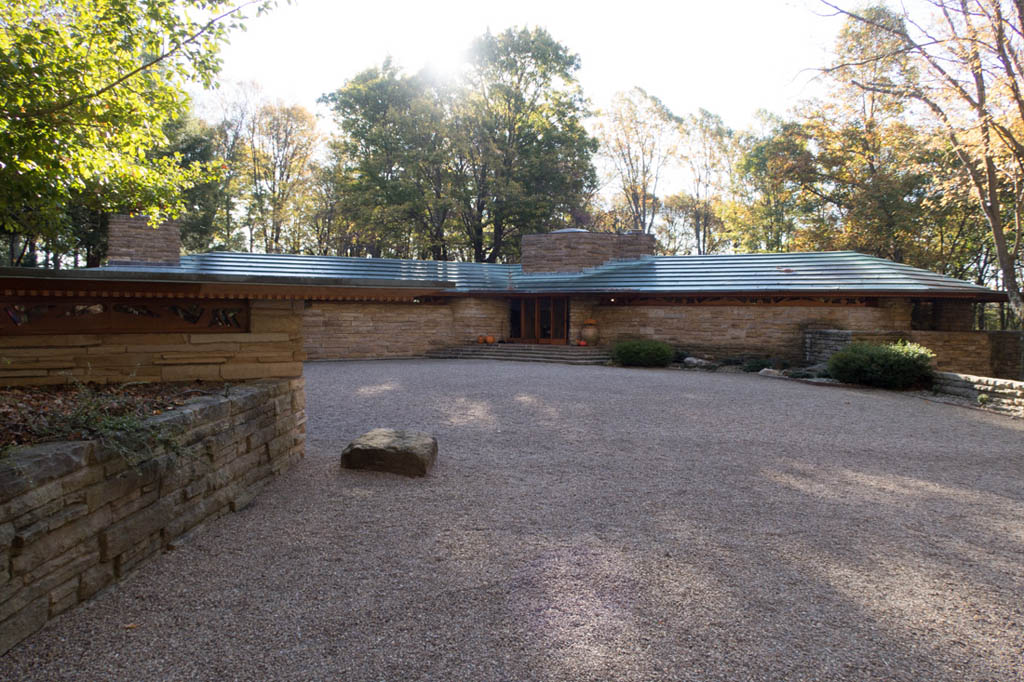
[(570, 355)]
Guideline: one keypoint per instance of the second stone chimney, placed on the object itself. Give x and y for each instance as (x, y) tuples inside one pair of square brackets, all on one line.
[(574, 250), (131, 240)]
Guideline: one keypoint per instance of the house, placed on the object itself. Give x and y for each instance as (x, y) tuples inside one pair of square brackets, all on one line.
[(779, 305)]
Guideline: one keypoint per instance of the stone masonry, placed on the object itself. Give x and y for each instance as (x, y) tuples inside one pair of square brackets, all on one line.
[(271, 349), (576, 251), (394, 330), (133, 241), (75, 517), (742, 329)]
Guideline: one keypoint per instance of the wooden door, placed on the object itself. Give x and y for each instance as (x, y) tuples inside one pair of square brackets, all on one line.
[(539, 319)]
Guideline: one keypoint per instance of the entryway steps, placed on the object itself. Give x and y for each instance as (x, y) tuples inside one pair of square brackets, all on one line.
[(523, 352)]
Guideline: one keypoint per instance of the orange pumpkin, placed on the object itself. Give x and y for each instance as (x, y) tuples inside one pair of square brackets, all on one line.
[(490, 339), (480, 339)]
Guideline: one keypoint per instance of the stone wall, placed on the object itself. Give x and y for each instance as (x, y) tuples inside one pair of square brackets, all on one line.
[(1007, 354), (75, 517), (988, 354), (132, 240), (272, 348), (763, 330), (397, 330), (575, 251), (1000, 395), (473, 317)]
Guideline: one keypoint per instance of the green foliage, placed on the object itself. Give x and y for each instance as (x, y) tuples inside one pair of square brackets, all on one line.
[(898, 366), (88, 86), (462, 170), (642, 353), (756, 364)]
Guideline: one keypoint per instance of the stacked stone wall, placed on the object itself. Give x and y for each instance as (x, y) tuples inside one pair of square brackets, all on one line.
[(374, 330), (76, 517), (272, 348), (474, 317), (1000, 395), (342, 330), (763, 330), (1008, 354), (576, 251), (132, 240)]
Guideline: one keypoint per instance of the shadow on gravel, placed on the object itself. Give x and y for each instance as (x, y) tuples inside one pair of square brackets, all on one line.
[(591, 523)]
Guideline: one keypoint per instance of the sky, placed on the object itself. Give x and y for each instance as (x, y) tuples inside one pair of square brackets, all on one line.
[(731, 57)]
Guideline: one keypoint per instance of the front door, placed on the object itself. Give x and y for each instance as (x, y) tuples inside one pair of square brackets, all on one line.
[(539, 319)]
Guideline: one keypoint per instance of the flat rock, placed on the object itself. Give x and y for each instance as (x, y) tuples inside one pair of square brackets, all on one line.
[(410, 453), (700, 363), (769, 372)]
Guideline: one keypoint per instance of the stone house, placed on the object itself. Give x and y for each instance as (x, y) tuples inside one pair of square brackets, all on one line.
[(778, 305)]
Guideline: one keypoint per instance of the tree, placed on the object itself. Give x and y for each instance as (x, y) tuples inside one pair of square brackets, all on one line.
[(706, 155), (87, 88), (968, 74), (768, 204), (522, 148), (279, 146), (461, 170), (638, 136)]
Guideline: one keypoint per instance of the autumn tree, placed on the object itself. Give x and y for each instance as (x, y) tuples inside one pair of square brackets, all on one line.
[(279, 146), (967, 73), (694, 216), (638, 136)]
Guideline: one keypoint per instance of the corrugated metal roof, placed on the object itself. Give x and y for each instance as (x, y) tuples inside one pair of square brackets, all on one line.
[(838, 272), (845, 272)]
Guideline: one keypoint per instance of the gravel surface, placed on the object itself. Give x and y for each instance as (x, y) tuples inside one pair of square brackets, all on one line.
[(592, 523)]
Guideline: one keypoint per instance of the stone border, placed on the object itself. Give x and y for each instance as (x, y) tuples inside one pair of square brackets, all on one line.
[(999, 395), (75, 517)]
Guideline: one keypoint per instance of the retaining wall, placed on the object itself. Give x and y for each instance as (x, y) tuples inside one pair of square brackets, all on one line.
[(75, 517), (999, 395)]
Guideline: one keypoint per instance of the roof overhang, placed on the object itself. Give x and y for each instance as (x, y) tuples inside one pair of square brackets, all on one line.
[(153, 284)]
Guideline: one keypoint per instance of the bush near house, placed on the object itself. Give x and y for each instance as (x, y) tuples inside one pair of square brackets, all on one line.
[(898, 365), (642, 353)]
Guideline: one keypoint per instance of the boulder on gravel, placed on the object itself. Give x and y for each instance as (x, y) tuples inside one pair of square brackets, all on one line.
[(410, 453)]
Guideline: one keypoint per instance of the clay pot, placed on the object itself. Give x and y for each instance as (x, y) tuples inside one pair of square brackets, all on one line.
[(589, 333)]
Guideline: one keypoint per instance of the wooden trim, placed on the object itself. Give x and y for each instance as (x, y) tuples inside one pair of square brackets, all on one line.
[(22, 287), (801, 301), (42, 315)]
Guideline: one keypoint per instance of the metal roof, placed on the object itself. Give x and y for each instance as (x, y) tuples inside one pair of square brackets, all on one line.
[(831, 273), (836, 272)]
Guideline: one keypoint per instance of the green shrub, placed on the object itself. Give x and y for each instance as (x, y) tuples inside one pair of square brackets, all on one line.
[(756, 364), (642, 353), (678, 355), (898, 365)]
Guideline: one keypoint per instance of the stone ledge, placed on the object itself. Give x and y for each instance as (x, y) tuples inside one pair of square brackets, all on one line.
[(74, 516)]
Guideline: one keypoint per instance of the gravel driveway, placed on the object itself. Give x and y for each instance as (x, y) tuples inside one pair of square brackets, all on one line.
[(592, 523)]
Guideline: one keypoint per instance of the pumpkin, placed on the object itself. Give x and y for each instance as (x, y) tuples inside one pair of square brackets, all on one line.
[(490, 339), (480, 339)]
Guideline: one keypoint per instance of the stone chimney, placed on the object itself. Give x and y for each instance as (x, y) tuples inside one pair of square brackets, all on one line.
[(574, 250), (131, 240)]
